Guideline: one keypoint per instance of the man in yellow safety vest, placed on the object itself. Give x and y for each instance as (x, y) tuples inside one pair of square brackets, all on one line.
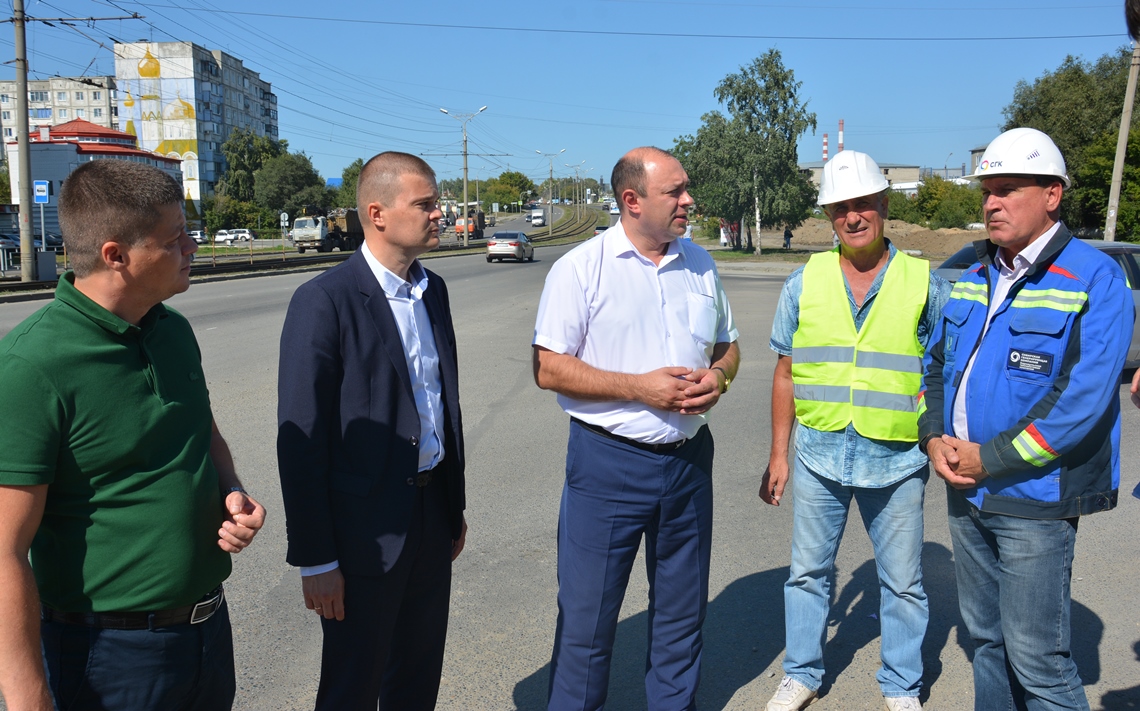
[(851, 328)]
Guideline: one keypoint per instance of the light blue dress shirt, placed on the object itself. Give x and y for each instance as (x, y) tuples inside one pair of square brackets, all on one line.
[(845, 456)]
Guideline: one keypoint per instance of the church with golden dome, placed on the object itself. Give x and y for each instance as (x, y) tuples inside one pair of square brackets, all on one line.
[(182, 100)]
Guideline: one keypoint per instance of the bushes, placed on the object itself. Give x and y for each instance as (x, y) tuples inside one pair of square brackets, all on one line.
[(939, 203)]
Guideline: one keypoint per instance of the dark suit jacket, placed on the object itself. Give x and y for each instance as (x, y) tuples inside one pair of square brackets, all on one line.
[(348, 430)]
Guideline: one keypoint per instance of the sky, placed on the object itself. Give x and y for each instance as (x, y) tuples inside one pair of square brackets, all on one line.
[(916, 82)]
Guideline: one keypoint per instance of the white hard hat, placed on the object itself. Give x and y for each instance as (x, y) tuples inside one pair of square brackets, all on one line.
[(850, 174), (1022, 151)]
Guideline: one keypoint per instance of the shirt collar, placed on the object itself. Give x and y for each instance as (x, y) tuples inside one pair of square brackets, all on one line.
[(617, 243), (66, 293), (392, 284), (1028, 256)]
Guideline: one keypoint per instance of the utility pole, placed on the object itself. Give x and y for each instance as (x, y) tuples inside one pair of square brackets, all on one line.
[(463, 119), (1122, 146), (550, 190), (577, 189), (28, 266)]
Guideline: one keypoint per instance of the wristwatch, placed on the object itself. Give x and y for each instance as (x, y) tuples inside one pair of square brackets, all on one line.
[(727, 380)]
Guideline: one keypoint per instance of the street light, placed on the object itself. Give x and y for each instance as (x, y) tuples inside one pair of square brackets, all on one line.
[(945, 165), (550, 189), (463, 119)]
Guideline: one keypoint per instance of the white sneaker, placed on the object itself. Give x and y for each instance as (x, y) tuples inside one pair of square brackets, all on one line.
[(791, 696), (902, 703)]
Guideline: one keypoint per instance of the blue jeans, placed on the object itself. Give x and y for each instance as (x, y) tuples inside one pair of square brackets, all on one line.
[(614, 496), (179, 668), (892, 516), (1013, 593)]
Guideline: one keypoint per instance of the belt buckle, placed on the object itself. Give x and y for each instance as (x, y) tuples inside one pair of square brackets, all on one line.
[(206, 609), (423, 479)]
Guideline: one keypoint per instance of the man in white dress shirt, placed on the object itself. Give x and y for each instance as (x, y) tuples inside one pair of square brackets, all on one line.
[(635, 334)]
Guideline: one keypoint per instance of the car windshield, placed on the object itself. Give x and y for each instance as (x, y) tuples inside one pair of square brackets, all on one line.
[(303, 223)]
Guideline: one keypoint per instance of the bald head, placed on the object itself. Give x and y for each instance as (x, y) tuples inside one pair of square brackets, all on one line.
[(379, 179), (630, 173)]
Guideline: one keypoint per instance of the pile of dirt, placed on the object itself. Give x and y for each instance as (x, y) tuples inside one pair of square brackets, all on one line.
[(932, 243)]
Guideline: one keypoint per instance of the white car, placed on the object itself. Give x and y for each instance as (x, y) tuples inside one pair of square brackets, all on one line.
[(537, 221), (223, 237), (198, 236), (241, 235)]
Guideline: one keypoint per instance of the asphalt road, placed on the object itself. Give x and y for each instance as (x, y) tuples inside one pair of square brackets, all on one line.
[(503, 601)]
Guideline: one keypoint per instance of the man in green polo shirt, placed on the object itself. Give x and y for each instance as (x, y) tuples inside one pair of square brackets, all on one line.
[(114, 475)]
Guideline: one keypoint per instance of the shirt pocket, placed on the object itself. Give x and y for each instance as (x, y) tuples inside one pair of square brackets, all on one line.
[(702, 318), (1036, 345)]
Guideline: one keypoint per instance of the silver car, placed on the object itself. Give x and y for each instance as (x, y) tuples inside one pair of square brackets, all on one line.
[(513, 245), (1125, 254)]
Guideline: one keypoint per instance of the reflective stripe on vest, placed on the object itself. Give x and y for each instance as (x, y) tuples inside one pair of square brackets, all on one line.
[(868, 377)]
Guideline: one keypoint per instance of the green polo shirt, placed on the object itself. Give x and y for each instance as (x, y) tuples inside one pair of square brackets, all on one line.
[(116, 420)]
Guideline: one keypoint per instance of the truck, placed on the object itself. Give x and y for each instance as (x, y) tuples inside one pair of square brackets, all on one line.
[(324, 232), (474, 224)]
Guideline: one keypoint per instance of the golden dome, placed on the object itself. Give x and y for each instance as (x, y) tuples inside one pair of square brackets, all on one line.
[(148, 66), (179, 109)]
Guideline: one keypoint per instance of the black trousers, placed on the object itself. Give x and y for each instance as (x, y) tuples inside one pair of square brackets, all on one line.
[(387, 653)]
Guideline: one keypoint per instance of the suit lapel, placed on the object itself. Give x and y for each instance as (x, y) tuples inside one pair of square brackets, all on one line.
[(376, 303)]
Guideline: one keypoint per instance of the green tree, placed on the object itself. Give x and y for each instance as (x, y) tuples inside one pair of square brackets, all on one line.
[(943, 203), (5, 186), (759, 144), (1075, 104), (288, 182), (346, 193), (1092, 181), (245, 153), (719, 183), (902, 207)]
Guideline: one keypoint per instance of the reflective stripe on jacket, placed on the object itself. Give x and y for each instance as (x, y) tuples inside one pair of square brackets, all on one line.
[(869, 377)]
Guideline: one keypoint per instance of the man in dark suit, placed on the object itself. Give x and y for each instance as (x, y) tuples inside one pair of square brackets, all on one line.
[(370, 449)]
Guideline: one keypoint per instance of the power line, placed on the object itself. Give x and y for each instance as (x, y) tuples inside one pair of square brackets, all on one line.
[(720, 37)]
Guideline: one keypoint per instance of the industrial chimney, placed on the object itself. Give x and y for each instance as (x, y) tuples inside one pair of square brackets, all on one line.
[(841, 134), (825, 148)]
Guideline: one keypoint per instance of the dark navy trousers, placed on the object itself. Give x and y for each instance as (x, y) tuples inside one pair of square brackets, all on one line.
[(614, 496), (178, 668)]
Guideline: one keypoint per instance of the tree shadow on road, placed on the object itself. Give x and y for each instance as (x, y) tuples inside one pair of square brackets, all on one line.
[(743, 635)]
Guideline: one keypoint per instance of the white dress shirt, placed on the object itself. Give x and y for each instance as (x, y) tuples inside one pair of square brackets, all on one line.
[(422, 358), (608, 305), (1007, 276)]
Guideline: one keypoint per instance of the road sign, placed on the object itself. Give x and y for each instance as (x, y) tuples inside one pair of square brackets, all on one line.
[(40, 189), (284, 219)]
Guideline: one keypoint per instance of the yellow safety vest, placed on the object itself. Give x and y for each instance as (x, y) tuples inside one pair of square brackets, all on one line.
[(871, 376)]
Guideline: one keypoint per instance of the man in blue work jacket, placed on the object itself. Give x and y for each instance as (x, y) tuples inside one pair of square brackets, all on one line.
[(1020, 414)]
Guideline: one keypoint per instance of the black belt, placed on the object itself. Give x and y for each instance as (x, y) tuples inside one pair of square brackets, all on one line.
[(194, 614), (645, 447)]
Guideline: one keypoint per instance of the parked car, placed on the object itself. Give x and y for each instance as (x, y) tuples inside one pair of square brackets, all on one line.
[(514, 245), (1124, 254), (223, 237), (241, 235), (10, 242), (198, 236)]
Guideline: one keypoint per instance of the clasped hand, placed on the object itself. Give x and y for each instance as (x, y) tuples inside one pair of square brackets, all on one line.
[(679, 389), (957, 461)]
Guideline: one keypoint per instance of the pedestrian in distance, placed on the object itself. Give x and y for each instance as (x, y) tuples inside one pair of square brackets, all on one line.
[(635, 334), (115, 475), (1021, 418), (370, 449), (787, 237), (850, 330)]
